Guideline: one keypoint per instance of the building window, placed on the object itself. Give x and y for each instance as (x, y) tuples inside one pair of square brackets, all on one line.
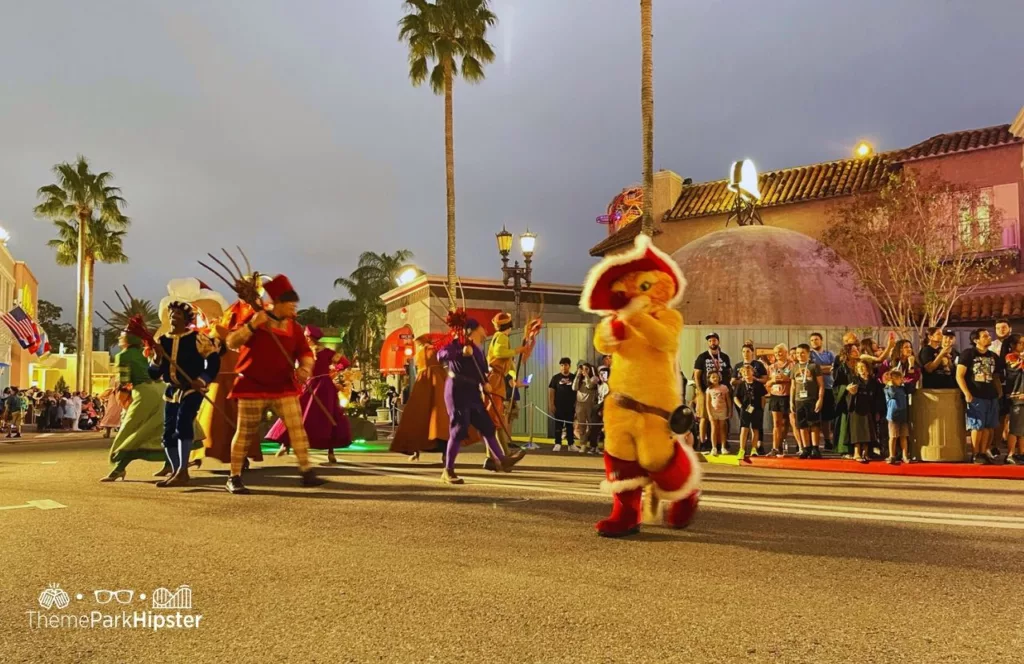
[(975, 215)]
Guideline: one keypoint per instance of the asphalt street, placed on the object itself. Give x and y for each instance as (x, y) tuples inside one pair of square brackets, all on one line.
[(385, 564)]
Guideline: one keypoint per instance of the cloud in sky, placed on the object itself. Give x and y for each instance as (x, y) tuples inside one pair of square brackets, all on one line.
[(292, 129)]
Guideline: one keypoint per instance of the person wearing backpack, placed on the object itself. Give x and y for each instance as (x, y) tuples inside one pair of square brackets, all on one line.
[(16, 407)]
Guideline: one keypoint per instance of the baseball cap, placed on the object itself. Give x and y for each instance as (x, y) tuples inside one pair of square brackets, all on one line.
[(949, 333), (713, 335)]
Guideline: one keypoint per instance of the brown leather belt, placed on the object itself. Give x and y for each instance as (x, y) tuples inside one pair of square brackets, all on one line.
[(629, 403)]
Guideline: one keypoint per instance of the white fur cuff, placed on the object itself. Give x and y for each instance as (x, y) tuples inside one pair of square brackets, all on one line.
[(692, 483), (621, 486)]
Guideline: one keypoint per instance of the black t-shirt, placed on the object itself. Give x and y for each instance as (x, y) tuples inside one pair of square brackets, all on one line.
[(983, 369), (565, 396), (706, 363), (760, 371), (751, 394), (944, 376)]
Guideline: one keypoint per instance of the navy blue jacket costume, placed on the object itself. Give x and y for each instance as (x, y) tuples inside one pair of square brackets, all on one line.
[(193, 354)]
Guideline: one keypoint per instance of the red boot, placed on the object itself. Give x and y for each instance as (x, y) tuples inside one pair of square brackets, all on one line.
[(680, 513), (626, 481), (679, 483)]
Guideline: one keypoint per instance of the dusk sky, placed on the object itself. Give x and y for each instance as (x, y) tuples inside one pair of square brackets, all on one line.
[(291, 128)]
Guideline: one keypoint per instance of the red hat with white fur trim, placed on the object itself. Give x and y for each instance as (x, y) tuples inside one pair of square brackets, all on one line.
[(597, 297)]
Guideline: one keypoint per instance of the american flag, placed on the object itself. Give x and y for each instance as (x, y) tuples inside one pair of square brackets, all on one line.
[(22, 327)]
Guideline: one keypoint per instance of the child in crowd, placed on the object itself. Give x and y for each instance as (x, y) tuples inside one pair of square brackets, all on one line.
[(897, 413), (750, 398), (719, 410), (861, 395)]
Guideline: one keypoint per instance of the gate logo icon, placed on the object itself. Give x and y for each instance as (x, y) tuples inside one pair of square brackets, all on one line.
[(54, 596), (179, 599)]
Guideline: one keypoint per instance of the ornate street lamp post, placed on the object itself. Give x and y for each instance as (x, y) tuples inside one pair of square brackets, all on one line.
[(520, 277)]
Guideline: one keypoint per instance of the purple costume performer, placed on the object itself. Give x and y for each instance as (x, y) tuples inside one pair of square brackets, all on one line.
[(462, 395), (322, 434)]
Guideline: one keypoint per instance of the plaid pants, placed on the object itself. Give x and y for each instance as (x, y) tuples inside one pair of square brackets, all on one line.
[(250, 412)]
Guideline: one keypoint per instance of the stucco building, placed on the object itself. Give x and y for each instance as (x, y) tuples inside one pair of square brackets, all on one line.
[(803, 199), (18, 287), (418, 308)]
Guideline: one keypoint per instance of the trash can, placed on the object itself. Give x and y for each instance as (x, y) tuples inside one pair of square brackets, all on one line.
[(939, 425)]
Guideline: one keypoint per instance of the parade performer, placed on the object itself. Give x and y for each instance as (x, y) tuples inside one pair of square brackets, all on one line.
[(142, 423), (424, 426), (322, 433), (220, 429), (644, 420), (499, 379), (187, 362), (111, 409), (269, 345), (462, 394)]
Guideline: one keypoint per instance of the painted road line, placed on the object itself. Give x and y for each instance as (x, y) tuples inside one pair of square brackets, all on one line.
[(799, 509), (960, 520), (37, 504), (870, 510)]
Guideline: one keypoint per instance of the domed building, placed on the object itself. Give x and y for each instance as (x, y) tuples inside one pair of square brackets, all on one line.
[(760, 276)]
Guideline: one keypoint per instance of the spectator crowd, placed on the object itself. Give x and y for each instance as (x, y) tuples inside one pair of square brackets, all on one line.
[(49, 411), (807, 400)]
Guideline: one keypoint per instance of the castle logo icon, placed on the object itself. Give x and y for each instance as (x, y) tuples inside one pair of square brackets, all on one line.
[(179, 599)]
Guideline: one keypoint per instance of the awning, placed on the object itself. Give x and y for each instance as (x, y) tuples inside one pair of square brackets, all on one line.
[(398, 349), (484, 317)]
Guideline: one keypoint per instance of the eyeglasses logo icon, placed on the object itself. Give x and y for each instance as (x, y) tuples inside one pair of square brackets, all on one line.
[(106, 596)]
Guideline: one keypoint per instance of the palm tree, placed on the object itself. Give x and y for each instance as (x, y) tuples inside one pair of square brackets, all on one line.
[(647, 114), (361, 316), (136, 307), (451, 35), (381, 269), (87, 210), (102, 244)]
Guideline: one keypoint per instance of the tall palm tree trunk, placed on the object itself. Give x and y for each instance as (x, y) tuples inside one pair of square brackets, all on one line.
[(87, 307), (449, 176), (80, 313), (647, 114)]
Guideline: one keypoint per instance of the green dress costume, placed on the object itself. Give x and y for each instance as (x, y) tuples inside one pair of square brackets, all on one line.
[(142, 424)]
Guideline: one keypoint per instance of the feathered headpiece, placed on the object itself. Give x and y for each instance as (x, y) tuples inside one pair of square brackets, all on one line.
[(136, 327)]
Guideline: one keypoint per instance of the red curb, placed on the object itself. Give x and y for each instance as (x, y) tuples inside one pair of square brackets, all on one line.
[(921, 469)]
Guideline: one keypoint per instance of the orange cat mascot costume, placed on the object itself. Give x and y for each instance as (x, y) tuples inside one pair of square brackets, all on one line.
[(635, 294)]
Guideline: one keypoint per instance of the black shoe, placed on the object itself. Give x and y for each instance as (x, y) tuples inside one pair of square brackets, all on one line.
[(828, 446), (309, 478), (805, 453), (235, 485), (760, 450), (815, 452), (489, 465), (982, 460)]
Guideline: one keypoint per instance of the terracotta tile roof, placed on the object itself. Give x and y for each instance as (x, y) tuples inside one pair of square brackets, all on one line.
[(817, 181), (961, 141), (789, 185), (620, 238), (988, 307)]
